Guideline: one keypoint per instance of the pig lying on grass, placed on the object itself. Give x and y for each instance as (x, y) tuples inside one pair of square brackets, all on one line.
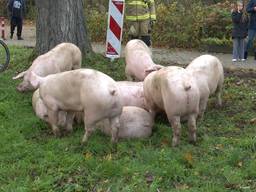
[(175, 91), (64, 57), (135, 122)]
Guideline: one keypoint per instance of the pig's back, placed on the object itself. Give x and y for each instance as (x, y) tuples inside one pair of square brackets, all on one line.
[(209, 68), (58, 59), (180, 93)]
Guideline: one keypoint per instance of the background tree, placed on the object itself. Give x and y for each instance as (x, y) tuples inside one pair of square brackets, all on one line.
[(61, 21)]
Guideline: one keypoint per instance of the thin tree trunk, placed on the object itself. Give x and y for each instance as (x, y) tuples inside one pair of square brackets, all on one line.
[(61, 21)]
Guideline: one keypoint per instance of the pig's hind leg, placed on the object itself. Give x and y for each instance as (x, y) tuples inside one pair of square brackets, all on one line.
[(176, 127), (89, 124), (202, 106), (53, 120)]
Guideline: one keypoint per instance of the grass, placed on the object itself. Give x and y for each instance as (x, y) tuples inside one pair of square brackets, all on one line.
[(32, 159)]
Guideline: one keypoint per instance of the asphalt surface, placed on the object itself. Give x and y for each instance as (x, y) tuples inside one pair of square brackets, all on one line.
[(160, 55)]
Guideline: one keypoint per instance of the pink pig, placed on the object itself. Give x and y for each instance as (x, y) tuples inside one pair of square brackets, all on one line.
[(82, 90), (63, 57), (132, 94), (134, 123), (209, 75), (138, 58), (174, 90)]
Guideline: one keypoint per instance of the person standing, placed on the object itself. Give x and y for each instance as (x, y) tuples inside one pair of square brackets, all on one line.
[(16, 9), (239, 31), (141, 16), (251, 9)]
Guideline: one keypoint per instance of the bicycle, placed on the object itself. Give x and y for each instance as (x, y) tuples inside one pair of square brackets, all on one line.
[(4, 56)]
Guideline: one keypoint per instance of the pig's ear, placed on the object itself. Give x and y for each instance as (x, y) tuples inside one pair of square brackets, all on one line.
[(35, 80), (20, 75), (150, 70), (153, 68), (158, 67)]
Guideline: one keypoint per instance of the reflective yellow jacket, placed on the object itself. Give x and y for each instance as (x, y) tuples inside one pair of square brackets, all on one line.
[(139, 10)]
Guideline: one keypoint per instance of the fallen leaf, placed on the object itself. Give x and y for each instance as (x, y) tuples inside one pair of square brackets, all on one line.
[(240, 164), (108, 157), (240, 82), (219, 146), (88, 155), (188, 158), (181, 186), (165, 142), (253, 121), (70, 180)]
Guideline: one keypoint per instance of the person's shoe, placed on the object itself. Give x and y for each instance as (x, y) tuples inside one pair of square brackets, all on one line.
[(234, 60), (245, 55), (20, 38), (243, 60)]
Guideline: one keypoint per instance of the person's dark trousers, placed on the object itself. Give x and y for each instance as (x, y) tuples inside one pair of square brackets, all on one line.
[(16, 21), (131, 37), (251, 36), (147, 40)]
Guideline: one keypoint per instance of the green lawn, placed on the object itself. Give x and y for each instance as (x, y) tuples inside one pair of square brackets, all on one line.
[(32, 159)]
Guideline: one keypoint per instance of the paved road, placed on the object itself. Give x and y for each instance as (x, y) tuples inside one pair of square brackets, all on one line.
[(166, 56)]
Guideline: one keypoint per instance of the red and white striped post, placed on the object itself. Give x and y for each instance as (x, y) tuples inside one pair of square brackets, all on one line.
[(115, 28), (2, 27)]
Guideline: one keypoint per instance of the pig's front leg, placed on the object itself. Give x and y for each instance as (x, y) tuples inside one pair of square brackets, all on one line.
[(69, 123), (115, 126), (202, 107), (192, 128), (218, 95), (176, 127)]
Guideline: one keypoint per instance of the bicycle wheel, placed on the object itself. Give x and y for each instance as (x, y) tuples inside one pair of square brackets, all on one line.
[(4, 56)]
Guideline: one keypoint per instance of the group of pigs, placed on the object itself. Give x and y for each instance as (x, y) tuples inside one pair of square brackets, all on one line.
[(126, 109)]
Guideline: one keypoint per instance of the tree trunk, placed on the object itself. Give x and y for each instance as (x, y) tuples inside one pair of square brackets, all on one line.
[(61, 21)]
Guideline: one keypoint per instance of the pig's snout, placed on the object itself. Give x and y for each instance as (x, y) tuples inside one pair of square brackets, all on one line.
[(20, 88)]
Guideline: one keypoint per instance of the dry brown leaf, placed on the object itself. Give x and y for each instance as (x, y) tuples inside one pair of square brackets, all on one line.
[(108, 157), (253, 121), (240, 82), (240, 164), (165, 142), (88, 155), (189, 158), (181, 186)]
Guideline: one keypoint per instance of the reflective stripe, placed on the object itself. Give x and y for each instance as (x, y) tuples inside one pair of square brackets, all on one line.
[(139, 17), (138, 3), (153, 17)]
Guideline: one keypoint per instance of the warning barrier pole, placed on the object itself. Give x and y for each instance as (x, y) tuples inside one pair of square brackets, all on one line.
[(2, 19)]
